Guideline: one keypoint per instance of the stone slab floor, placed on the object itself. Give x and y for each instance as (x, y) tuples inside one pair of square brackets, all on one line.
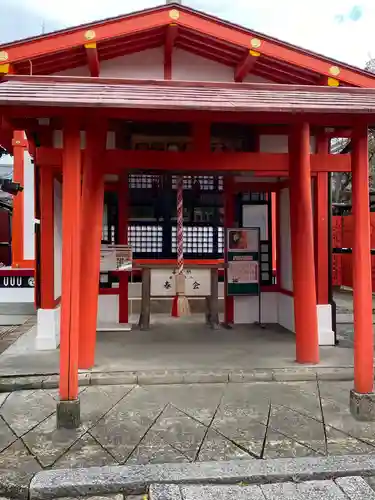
[(182, 423)]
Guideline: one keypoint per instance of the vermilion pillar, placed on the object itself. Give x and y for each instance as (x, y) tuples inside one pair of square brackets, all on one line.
[(321, 225), (302, 239), (362, 290), (47, 293), (19, 147), (71, 237), (123, 208), (92, 223), (228, 223)]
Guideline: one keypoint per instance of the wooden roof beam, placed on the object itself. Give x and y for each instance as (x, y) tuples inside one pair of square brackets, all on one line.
[(170, 39), (246, 65), (92, 59), (328, 81)]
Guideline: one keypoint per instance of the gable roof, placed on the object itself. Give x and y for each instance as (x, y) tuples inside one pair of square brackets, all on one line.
[(175, 25)]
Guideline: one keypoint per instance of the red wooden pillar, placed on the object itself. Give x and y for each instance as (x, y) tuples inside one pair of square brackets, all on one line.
[(228, 223), (71, 257), (321, 226), (19, 147), (92, 223), (278, 239), (47, 258), (123, 209), (302, 239), (274, 229), (362, 292)]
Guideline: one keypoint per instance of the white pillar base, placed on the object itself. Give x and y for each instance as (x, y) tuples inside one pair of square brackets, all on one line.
[(325, 332), (48, 329)]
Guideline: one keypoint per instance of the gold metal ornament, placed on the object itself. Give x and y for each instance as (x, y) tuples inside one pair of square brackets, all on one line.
[(3, 56), (334, 70), (332, 82), (174, 14), (255, 43), (90, 35)]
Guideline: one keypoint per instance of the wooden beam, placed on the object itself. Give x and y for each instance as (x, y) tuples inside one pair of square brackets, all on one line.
[(246, 65), (68, 39), (6, 69), (93, 59), (329, 81), (281, 51), (203, 25), (202, 161), (170, 39)]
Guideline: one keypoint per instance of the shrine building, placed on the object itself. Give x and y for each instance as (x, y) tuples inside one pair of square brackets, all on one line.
[(103, 120)]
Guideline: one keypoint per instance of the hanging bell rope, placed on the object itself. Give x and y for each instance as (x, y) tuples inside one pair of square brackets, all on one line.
[(180, 305)]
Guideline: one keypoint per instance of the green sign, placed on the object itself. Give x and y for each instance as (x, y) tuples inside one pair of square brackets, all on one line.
[(243, 256)]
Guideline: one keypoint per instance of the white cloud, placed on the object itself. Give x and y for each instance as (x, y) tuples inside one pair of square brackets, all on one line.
[(310, 24)]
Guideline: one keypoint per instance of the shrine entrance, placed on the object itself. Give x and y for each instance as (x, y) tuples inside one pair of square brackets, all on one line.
[(142, 211)]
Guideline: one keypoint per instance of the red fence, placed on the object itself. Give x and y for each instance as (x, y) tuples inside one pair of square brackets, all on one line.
[(342, 237)]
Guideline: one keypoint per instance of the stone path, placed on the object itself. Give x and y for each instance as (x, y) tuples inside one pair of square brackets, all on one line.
[(11, 333), (124, 424), (348, 488)]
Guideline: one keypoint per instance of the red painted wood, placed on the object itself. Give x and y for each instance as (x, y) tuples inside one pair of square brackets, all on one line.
[(229, 217), (123, 206), (71, 250), (337, 258), (170, 39), (68, 39), (244, 67), (116, 161), (92, 224), (93, 60), (302, 244), (19, 146), (47, 257), (362, 290), (321, 226)]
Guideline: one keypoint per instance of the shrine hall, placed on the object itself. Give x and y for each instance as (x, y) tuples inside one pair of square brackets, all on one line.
[(202, 149)]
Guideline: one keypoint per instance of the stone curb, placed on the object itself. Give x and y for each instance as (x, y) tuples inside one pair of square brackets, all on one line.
[(297, 374), (15, 484), (131, 480)]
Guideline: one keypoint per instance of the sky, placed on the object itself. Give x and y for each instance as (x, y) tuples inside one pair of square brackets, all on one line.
[(341, 29)]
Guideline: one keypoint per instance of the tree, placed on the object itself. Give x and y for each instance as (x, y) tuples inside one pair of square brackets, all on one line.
[(341, 182)]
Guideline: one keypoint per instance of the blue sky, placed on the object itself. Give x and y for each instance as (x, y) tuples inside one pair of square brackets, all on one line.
[(342, 29)]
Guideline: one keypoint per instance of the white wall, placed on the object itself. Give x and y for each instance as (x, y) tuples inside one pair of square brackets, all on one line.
[(256, 216), (108, 309), (285, 311), (188, 66), (57, 233), (28, 208), (246, 309), (150, 64), (145, 64), (285, 257), (279, 144)]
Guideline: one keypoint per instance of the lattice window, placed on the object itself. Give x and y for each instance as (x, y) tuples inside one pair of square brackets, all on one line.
[(220, 240), (265, 262), (142, 181), (109, 234), (145, 239), (207, 182), (197, 240)]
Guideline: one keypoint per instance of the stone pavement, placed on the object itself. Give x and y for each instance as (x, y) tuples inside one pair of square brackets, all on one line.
[(340, 489), (124, 424)]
